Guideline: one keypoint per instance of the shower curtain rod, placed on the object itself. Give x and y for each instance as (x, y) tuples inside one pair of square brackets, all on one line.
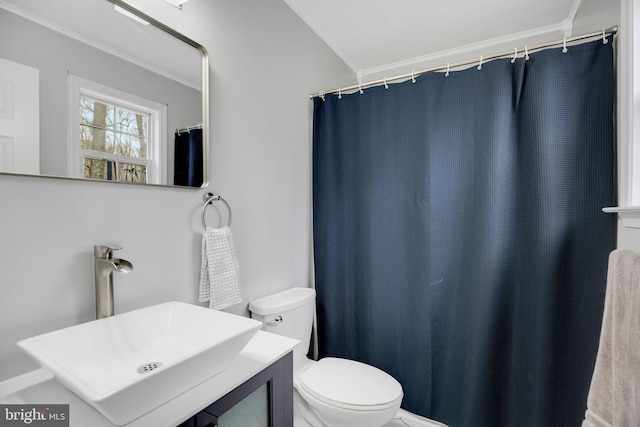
[(189, 128), (412, 75)]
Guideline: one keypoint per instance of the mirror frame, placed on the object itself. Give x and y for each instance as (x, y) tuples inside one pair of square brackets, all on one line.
[(205, 107)]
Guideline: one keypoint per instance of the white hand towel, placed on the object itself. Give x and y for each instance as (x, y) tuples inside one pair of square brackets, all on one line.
[(614, 395), (219, 270)]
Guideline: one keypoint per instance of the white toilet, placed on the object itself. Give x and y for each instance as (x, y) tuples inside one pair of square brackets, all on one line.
[(332, 392)]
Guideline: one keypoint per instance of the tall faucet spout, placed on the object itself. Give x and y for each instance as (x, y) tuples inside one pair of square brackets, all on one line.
[(104, 266)]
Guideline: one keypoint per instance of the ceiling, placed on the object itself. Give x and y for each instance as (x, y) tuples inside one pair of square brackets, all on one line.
[(97, 23), (374, 36)]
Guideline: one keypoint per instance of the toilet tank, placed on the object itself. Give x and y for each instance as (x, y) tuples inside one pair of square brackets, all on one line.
[(288, 313)]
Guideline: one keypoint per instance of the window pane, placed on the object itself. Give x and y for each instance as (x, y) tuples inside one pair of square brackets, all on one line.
[(99, 169), (96, 139), (96, 113), (132, 173), (132, 146), (131, 122), (119, 133)]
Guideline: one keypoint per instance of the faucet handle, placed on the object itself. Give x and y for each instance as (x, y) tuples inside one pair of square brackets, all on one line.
[(105, 251)]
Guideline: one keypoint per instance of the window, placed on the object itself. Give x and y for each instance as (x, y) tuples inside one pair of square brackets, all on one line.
[(115, 136), (628, 111), (113, 141), (628, 115)]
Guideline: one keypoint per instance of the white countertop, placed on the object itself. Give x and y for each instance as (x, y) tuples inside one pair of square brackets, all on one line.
[(40, 387)]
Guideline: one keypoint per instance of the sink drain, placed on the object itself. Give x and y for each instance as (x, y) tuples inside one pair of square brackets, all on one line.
[(148, 367)]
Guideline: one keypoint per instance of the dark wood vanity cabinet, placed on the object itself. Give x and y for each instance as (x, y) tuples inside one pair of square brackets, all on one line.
[(270, 392)]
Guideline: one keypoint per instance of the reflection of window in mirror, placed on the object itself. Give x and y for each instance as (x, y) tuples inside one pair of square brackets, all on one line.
[(115, 136)]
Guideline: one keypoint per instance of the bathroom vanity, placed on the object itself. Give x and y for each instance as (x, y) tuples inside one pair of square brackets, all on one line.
[(263, 367), (265, 399)]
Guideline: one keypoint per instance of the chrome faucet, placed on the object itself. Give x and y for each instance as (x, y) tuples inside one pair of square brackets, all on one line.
[(104, 265)]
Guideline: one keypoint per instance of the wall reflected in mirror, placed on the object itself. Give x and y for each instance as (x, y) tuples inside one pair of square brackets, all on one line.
[(89, 93)]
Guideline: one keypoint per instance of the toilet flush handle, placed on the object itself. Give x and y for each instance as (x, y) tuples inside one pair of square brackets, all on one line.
[(276, 321)]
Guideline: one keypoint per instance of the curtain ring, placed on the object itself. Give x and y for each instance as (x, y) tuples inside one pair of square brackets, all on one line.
[(480, 65), (604, 37), (564, 45), (448, 68), (515, 55)]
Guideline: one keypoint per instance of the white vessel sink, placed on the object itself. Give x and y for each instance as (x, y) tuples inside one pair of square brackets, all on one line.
[(128, 364)]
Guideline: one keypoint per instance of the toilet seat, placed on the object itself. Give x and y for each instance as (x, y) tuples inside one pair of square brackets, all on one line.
[(352, 385)]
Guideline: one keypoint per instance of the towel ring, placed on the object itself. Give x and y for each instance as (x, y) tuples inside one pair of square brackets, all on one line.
[(209, 198)]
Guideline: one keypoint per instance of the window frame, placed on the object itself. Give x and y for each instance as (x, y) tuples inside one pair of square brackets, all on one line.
[(628, 114), (157, 137)]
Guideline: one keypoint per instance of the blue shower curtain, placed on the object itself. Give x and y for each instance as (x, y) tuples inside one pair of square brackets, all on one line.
[(459, 239), (188, 163)]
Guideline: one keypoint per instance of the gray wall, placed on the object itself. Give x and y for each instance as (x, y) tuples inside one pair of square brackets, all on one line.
[(264, 63)]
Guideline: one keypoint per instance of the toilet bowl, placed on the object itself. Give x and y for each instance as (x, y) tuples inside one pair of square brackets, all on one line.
[(332, 392), (347, 393)]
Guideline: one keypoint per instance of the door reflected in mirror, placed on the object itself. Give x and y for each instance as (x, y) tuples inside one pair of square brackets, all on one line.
[(89, 93)]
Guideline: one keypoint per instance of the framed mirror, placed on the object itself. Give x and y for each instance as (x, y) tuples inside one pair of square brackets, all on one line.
[(97, 90)]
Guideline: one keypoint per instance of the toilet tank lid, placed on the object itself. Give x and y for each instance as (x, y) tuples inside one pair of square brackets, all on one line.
[(282, 301)]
